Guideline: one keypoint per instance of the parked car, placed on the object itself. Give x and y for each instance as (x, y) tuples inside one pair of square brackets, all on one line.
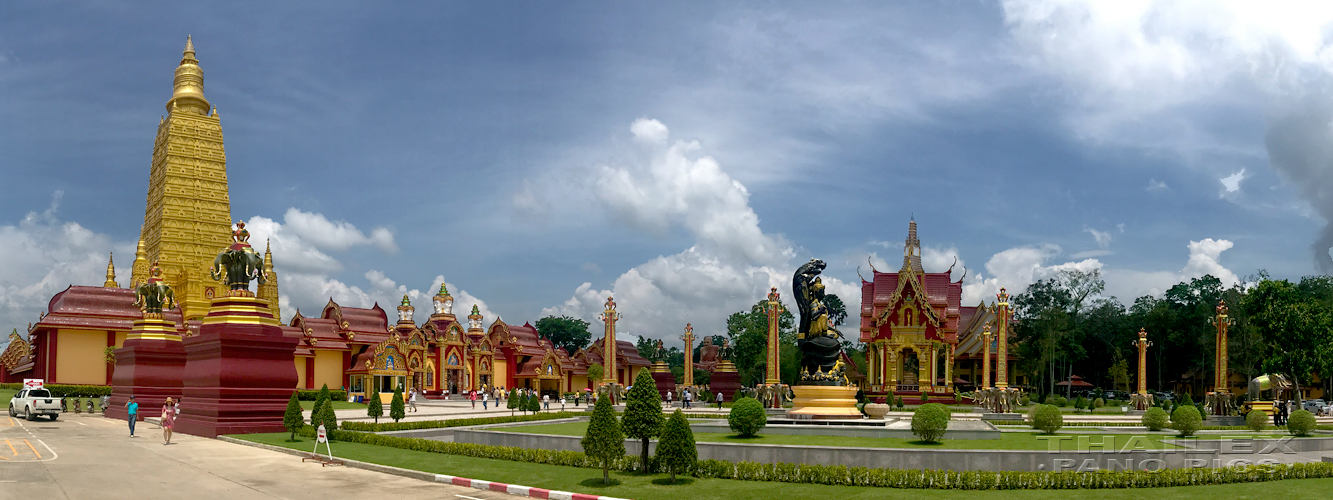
[(1315, 406), (34, 402)]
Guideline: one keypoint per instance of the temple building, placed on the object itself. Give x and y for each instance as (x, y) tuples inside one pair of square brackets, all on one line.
[(913, 326), (187, 219)]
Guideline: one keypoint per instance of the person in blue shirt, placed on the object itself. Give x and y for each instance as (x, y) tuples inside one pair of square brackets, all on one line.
[(132, 411)]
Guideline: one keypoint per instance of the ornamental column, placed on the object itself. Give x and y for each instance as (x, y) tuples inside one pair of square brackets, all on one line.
[(948, 367), (1002, 340), (609, 316), (985, 358), (1142, 400), (774, 310), (1221, 321), (689, 355)]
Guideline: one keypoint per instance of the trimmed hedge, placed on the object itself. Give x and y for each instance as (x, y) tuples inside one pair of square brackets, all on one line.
[(68, 390), (1300, 423), (304, 395), (460, 422), (864, 476)]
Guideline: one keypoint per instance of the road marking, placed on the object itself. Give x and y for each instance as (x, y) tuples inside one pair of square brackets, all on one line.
[(12, 452), (80, 423), (33, 448), (467, 497)]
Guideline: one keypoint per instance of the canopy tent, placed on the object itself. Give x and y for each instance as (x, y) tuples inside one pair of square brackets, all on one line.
[(1075, 381)]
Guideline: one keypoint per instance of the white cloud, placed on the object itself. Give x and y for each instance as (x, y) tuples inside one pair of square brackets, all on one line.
[(1156, 186), (44, 255), (731, 265), (1231, 183), (1103, 238), (335, 235), (937, 260)]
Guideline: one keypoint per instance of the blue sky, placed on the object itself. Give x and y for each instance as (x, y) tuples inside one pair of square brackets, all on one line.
[(685, 157)]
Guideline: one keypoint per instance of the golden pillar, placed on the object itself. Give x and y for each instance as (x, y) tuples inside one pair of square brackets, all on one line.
[(985, 358), (609, 316), (948, 366), (1002, 340), (1143, 344), (1221, 321), (689, 354), (774, 310)]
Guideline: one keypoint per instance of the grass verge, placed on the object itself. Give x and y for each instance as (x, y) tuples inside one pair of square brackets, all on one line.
[(653, 487)]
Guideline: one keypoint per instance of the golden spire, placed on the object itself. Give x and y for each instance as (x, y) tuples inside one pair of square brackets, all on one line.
[(269, 289), (110, 272), (139, 271), (268, 259), (189, 84)]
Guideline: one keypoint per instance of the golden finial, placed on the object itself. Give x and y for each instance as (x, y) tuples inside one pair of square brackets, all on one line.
[(110, 272), (188, 87), (268, 257), (189, 44)]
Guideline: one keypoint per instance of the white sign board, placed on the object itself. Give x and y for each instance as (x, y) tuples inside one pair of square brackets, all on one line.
[(322, 435), (34, 383)]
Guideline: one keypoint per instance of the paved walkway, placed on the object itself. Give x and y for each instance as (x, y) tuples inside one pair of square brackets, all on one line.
[(85, 456)]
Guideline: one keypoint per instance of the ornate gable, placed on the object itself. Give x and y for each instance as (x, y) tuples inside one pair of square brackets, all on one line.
[(908, 301)]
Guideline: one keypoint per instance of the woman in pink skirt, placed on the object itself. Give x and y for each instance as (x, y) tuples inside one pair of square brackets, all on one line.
[(168, 419)]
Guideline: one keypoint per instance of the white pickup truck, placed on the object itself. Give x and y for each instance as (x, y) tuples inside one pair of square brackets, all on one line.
[(34, 402)]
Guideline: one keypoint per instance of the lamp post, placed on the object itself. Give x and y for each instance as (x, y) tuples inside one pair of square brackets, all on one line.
[(1142, 400)]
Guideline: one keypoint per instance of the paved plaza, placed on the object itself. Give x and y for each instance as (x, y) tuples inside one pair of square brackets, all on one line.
[(85, 456)]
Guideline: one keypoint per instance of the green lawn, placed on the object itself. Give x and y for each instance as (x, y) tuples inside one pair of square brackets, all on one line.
[(653, 487), (6, 395), (1007, 441), (338, 405)]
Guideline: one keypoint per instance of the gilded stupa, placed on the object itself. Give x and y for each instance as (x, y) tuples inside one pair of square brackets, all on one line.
[(188, 215)]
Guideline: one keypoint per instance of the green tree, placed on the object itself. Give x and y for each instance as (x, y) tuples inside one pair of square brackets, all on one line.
[(513, 402), (930, 421), (595, 372), (676, 451), (1186, 420), (293, 419), (375, 407), (564, 331), (748, 331), (396, 408), (327, 417), (643, 412), (604, 441), (837, 311), (1297, 326), (316, 411), (534, 403), (747, 416)]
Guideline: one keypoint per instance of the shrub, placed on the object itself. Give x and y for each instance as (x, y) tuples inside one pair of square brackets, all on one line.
[(643, 412), (604, 442), (1080, 404), (396, 409), (1024, 401), (1300, 423), (747, 417), (1047, 419), (293, 419), (1155, 419), (930, 421), (1187, 420), (1256, 420), (900, 402), (1098, 403), (457, 422), (925, 397), (375, 406), (1061, 401), (861, 396), (308, 395), (1185, 401), (327, 416), (676, 451), (512, 403), (957, 398), (534, 403)]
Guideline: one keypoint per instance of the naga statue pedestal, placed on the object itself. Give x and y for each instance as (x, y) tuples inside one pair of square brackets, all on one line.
[(824, 402), (726, 380), (239, 371), (149, 366)]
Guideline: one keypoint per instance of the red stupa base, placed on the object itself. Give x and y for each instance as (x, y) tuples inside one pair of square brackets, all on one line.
[(725, 381), (666, 382), (149, 366), (239, 372)]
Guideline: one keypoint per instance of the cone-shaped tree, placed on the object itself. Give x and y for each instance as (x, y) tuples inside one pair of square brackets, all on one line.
[(396, 409), (314, 412), (534, 403), (604, 442), (375, 407), (326, 416), (676, 451), (324, 393), (643, 412), (513, 402), (293, 420)]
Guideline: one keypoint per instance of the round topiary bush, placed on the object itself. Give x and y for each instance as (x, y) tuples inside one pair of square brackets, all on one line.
[(1061, 401), (1024, 401), (1047, 419), (1300, 423), (1098, 403), (1155, 419), (747, 417), (1186, 420), (1256, 420), (930, 421)]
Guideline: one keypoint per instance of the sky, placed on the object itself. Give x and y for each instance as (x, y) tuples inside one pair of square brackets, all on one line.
[(682, 156)]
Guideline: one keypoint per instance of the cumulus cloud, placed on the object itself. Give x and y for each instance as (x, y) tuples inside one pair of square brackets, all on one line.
[(45, 255), (1231, 183), (334, 235), (1103, 238), (731, 265), (1130, 65)]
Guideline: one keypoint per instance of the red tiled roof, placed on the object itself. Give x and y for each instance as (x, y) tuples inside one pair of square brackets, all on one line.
[(96, 308)]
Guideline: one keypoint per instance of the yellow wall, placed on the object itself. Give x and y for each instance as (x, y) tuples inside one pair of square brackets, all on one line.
[(300, 371), (578, 383), (499, 370), (80, 357), (120, 339), (328, 369)]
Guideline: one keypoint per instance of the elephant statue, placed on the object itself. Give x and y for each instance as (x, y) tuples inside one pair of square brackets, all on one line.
[(154, 295)]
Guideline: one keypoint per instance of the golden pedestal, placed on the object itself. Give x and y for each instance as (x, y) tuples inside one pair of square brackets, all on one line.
[(240, 307), (153, 327), (824, 402)]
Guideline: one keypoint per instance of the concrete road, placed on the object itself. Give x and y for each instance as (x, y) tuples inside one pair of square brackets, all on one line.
[(83, 456)]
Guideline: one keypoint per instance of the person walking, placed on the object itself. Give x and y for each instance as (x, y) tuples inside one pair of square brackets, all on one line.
[(668, 400), (719, 400), (472, 396), (132, 411), (168, 420), (484, 399), (412, 399), (686, 398), (546, 401)]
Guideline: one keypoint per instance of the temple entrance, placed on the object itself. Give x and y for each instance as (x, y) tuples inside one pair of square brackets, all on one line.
[(485, 380), (454, 380), (910, 369)]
